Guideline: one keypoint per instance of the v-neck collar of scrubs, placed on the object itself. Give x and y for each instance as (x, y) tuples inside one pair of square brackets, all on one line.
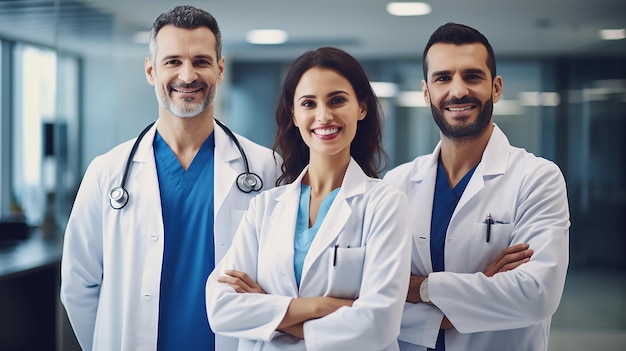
[(169, 162)]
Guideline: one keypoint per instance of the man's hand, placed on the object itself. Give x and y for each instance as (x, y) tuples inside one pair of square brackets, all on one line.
[(413, 294), (241, 282), (510, 258)]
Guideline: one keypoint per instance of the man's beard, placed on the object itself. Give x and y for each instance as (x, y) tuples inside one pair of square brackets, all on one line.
[(469, 131), (185, 110)]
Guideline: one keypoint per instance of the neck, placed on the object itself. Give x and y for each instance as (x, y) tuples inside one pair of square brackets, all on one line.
[(326, 173), (185, 136), (459, 156)]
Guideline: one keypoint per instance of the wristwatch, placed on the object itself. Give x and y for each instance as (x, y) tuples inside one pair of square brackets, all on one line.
[(424, 291)]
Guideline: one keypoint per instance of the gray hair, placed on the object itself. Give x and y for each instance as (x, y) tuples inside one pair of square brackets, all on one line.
[(187, 17)]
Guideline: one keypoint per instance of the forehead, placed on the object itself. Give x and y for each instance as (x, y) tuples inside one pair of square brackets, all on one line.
[(319, 81), (451, 57), (174, 41)]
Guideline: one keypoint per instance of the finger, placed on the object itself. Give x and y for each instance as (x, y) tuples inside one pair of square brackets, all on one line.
[(509, 250), (243, 276), (513, 265), (514, 249), (235, 282), (515, 256)]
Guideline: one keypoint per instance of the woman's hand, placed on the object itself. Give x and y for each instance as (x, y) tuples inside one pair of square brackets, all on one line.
[(241, 282)]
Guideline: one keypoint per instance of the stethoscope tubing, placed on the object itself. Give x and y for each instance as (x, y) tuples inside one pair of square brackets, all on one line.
[(246, 181)]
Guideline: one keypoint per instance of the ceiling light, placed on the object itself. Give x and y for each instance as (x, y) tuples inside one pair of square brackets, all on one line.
[(408, 8), (411, 99), (384, 89), (613, 34), (266, 36)]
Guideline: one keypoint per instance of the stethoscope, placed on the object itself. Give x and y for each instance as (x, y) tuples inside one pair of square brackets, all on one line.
[(246, 181)]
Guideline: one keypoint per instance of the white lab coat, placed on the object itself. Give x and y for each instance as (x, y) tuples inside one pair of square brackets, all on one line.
[(370, 217), (111, 265), (512, 310)]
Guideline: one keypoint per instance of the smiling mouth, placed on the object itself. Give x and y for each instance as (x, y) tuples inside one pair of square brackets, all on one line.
[(460, 109), (186, 91), (326, 131)]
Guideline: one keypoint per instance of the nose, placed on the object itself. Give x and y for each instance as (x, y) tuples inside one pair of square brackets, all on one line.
[(458, 88), (187, 73), (323, 115)]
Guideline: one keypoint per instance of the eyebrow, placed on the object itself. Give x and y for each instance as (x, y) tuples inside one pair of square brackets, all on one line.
[(466, 71), (331, 94), (170, 57)]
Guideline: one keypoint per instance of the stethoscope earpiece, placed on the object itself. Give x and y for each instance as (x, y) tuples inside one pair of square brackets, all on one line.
[(248, 182), (118, 197)]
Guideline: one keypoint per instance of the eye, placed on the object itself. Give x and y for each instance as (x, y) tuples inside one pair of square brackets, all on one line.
[(336, 100), (308, 104), (172, 62), (442, 79), (203, 62)]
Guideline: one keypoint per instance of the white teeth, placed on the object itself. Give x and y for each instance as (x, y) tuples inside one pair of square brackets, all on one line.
[(326, 131), (459, 109), (186, 91)]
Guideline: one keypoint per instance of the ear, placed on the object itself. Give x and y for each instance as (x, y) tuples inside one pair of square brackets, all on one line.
[(497, 89), (362, 111), (293, 119), (149, 70), (220, 66), (426, 93)]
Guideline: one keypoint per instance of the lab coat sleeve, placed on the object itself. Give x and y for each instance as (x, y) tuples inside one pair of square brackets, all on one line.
[(81, 263), (373, 321), (420, 324), (246, 315), (530, 293)]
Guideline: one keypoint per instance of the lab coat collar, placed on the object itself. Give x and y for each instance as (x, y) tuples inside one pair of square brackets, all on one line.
[(496, 154), (353, 182), (493, 162), (144, 151), (225, 153)]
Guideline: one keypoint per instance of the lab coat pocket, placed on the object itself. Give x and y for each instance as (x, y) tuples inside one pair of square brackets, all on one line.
[(345, 269)]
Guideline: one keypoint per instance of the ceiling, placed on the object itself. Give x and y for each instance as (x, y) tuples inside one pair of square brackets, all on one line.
[(515, 28)]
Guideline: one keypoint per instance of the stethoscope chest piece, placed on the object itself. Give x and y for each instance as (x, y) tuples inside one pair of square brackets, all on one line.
[(248, 182), (118, 197)]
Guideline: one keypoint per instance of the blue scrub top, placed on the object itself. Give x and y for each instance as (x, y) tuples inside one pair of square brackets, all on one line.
[(189, 255), (444, 204), (305, 235)]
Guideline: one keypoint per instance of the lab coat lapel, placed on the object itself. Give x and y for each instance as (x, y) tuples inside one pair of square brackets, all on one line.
[(421, 203), (284, 219), (353, 184), (225, 176), (142, 160), (493, 163)]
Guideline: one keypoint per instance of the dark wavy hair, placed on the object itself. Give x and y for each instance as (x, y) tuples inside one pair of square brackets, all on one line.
[(187, 17), (366, 148), (459, 34)]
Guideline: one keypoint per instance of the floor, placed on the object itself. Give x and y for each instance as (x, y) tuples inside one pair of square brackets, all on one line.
[(592, 313)]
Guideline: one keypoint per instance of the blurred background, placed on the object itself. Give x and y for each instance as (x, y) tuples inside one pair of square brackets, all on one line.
[(72, 86)]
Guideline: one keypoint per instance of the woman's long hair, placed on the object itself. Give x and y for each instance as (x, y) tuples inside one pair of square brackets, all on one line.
[(366, 148)]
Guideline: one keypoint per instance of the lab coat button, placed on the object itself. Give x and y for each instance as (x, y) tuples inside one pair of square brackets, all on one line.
[(153, 236), (422, 238), (147, 296)]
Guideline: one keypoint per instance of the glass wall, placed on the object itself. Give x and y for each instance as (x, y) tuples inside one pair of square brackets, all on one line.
[(34, 111), (44, 134)]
